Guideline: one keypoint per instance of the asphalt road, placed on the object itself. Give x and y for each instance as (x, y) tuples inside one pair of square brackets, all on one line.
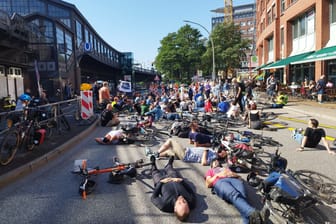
[(50, 194)]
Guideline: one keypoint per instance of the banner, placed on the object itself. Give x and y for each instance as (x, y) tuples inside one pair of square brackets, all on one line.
[(125, 86)]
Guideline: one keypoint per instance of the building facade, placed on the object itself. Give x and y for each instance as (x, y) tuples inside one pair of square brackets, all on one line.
[(244, 17), (295, 39), (51, 41)]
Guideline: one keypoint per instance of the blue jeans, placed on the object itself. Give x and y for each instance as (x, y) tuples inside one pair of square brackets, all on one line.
[(233, 191)]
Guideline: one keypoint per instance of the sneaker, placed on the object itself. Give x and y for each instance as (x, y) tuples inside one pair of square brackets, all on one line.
[(152, 159), (255, 218), (153, 162)]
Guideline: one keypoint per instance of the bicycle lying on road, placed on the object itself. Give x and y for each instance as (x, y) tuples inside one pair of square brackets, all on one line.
[(117, 172), (302, 196)]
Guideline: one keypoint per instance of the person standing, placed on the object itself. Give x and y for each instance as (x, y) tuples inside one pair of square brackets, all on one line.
[(320, 88), (104, 94), (171, 192), (239, 93), (271, 87)]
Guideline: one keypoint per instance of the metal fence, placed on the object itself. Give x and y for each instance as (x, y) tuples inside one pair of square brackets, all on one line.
[(69, 109)]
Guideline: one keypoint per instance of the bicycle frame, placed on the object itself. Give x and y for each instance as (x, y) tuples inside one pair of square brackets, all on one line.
[(119, 167)]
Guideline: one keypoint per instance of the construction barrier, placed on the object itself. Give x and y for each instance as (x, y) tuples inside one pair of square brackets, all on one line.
[(86, 104)]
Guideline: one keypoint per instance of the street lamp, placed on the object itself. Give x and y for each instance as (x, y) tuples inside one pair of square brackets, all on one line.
[(213, 48)]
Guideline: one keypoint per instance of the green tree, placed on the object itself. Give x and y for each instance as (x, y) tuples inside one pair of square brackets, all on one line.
[(179, 56), (229, 48)]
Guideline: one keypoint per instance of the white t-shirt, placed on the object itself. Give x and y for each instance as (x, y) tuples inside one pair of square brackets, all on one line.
[(117, 133)]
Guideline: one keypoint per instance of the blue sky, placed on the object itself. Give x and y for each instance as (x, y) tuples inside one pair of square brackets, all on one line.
[(138, 26)]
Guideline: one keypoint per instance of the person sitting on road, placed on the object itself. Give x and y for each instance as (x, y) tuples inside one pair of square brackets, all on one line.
[(281, 100), (233, 111), (229, 186), (155, 111), (108, 118), (223, 105), (201, 155), (197, 138), (312, 136), (143, 108), (112, 137), (172, 193), (208, 106)]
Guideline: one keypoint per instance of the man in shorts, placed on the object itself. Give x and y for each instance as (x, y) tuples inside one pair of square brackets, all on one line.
[(201, 155)]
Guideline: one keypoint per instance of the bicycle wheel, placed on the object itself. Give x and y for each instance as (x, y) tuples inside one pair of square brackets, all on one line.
[(29, 139), (314, 215), (9, 146), (319, 184), (65, 123), (282, 213)]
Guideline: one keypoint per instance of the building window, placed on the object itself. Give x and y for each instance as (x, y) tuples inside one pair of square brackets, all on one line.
[(283, 6), (5, 5), (62, 14), (270, 45), (282, 36), (79, 35), (37, 6), (332, 11), (269, 17), (300, 27), (21, 7), (274, 15), (86, 35)]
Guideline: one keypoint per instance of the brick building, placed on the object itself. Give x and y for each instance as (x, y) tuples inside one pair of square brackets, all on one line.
[(295, 39)]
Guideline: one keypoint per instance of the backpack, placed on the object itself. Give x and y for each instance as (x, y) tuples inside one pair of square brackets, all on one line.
[(282, 188), (254, 120)]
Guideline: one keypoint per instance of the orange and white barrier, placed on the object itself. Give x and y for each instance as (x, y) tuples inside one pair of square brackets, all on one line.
[(86, 104)]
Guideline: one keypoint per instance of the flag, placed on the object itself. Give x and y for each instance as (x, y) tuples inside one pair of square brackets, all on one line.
[(38, 78), (125, 86)]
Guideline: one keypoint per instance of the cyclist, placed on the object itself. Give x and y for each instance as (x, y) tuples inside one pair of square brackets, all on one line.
[(190, 154), (23, 101), (229, 186), (112, 137), (311, 136), (108, 118), (21, 104), (171, 192)]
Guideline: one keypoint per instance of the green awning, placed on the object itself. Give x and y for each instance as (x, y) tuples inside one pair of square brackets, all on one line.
[(289, 60), (326, 53), (262, 66)]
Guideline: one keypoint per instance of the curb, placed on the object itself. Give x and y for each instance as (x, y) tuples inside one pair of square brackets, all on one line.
[(23, 170)]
